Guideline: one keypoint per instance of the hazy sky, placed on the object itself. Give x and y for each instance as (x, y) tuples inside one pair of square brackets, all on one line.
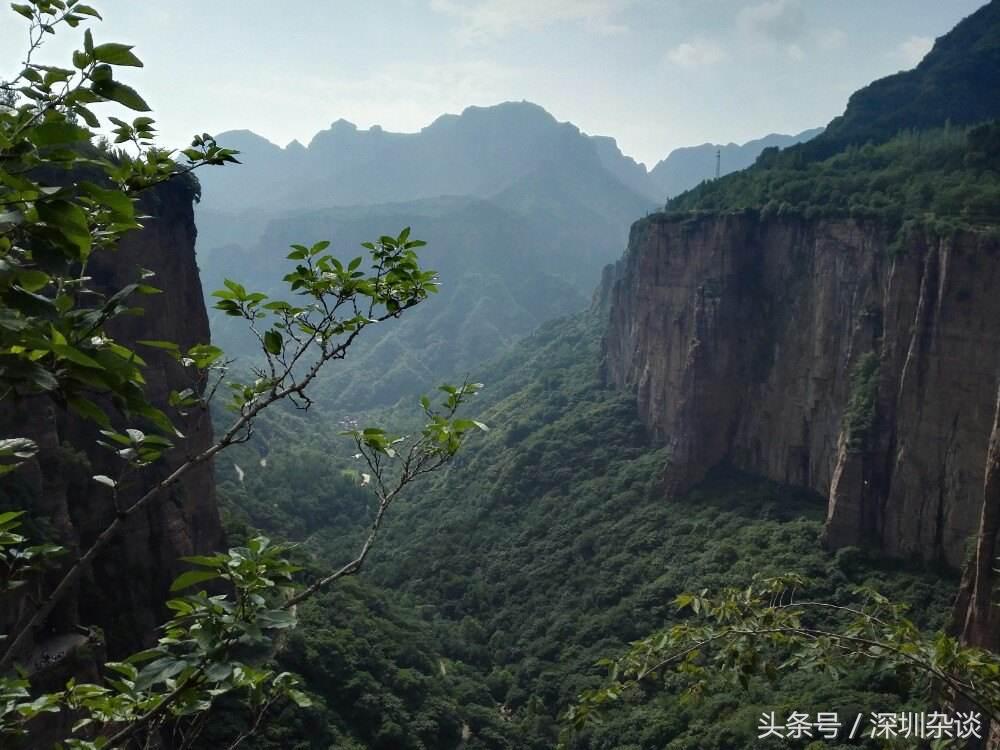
[(654, 74)]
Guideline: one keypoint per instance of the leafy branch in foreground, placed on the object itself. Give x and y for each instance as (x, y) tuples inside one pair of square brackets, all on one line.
[(214, 643), (762, 631), (437, 444), (64, 200)]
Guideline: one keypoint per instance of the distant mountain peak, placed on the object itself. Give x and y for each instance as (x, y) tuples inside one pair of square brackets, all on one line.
[(245, 139), (343, 125)]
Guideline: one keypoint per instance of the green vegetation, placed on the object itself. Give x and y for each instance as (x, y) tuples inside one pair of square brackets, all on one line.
[(550, 546), (859, 419), (772, 627), (496, 285), (940, 179), (547, 546), (376, 678), (955, 83), (66, 202)]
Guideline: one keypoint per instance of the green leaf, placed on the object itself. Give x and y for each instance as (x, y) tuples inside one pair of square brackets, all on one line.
[(86, 10), (218, 672), (75, 355), (204, 356), (105, 480), (114, 200), (191, 578), (69, 219), (276, 619), (88, 117), (169, 346), (57, 132), (8, 516), (32, 280), (89, 410), (116, 54), (273, 342), (209, 560), (119, 92)]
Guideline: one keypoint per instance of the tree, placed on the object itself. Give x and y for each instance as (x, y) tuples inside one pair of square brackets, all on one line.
[(66, 197), (765, 630)]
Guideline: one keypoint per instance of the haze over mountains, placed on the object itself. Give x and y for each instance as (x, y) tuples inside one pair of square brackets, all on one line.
[(521, 212), (480, 152)]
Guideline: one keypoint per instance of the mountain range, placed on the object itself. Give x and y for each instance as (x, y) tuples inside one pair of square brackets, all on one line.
[(480, 152), (521, 213)]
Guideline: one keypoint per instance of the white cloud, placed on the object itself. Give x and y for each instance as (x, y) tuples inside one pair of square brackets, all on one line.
[(696, 54), (780, 21), (485, 19), (912, 50)]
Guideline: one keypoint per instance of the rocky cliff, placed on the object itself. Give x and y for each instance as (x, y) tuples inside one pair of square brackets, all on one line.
[(977, 614), (808, 352), (123, 593)]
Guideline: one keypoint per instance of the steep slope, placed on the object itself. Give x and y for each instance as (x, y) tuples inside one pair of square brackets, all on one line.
[(624, 168), (802, 351), (955, 83), (829, 319), (977, 617), (124, 592)]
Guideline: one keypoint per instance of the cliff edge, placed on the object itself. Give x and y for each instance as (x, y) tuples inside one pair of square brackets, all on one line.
[(810, 352), (124, 591)]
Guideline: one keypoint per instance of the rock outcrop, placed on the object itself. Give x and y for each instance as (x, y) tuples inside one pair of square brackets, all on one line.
[(812, 353), (124, 591)]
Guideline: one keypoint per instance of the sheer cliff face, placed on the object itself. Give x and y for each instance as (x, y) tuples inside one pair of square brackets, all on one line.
[(124, 592), (978, 618), (741, 335)]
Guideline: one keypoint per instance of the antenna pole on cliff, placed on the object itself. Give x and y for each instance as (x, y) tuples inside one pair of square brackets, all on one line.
[(718, 162)]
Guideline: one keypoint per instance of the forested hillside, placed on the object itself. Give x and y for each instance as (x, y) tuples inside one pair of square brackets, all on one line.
[(548, 547)]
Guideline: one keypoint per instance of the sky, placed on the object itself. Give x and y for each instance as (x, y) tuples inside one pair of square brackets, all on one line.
[(653, 74)]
